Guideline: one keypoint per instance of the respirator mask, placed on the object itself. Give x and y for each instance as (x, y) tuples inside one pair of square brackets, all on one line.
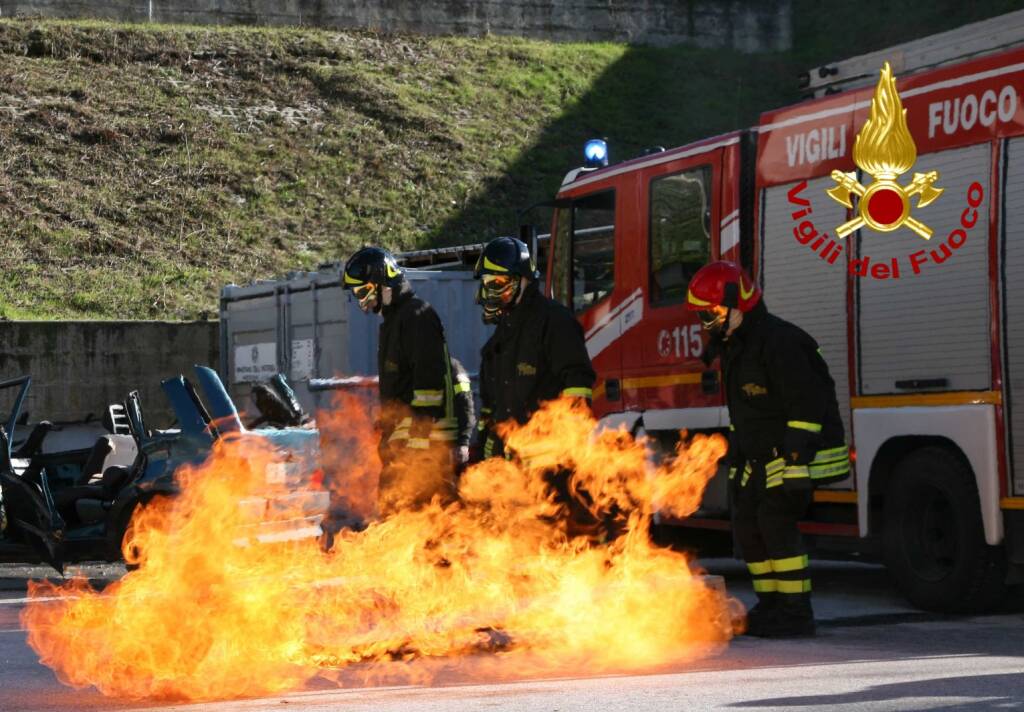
[(367, 296), (497, 294)]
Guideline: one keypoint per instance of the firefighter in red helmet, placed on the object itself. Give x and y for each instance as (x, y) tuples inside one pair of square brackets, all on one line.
[(786, 438)]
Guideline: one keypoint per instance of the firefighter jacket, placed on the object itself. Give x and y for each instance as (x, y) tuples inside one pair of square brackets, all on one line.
[(536, 353), (465, 410), (782, 405), (415, 380)]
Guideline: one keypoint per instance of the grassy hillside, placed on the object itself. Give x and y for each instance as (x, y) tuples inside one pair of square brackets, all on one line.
[(143, 167)]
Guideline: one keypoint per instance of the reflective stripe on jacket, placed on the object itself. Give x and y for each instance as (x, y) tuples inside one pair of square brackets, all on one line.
[(415, 374), (465, 411)]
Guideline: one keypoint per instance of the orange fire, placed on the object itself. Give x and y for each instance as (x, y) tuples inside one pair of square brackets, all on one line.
[(494, 586)]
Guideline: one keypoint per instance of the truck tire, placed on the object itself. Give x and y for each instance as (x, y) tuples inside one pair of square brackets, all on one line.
[(933, 539)]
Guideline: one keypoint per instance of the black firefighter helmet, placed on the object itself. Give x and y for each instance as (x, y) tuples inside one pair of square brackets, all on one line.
[(502, 264), (506, 255), (367, 272)]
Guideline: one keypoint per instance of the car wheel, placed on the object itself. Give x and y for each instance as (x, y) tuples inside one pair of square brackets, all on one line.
[(119, 537), (933, 538)]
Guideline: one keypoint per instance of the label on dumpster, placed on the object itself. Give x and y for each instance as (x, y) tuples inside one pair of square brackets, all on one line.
[(302, 359), (255, 362)]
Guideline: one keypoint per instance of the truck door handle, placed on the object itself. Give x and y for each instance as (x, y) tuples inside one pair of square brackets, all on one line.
[(915, 383), (612, 391), (709, 382)]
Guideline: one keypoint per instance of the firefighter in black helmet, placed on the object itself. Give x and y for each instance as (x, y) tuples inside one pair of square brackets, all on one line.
[(418, 427), (537, 352), (786, 438)]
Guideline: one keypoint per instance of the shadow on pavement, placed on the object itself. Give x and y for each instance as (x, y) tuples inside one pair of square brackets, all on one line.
[(989, 692)]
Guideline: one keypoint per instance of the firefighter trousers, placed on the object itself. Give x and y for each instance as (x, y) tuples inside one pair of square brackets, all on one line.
[(577, 518), (412, 477), (765, 526)]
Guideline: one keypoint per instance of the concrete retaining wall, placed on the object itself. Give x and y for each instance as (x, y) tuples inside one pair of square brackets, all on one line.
[(745, 25), (79, 367)]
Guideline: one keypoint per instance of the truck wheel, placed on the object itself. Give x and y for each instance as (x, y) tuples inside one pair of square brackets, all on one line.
[(933, 539)]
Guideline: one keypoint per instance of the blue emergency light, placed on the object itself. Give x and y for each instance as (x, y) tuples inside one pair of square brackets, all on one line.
[(595, 153)]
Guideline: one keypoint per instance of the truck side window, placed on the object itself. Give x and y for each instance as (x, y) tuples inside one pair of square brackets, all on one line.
[(561, 257), (593, 249), (680, 232)]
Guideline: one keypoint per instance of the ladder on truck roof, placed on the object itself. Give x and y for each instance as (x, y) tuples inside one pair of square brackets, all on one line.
[(962, 43), (455, 257)]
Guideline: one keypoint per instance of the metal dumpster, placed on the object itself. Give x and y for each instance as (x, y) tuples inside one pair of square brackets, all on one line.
[(306, 327)]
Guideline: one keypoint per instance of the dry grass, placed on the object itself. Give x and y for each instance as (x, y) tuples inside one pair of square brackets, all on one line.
[(143, 167)]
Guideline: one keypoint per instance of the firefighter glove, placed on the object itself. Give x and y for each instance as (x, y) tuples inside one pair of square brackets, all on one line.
[(800, 442), (734, 454), (713, 348)]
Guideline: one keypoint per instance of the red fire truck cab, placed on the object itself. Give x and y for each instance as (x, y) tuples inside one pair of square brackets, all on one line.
[(924, 337)]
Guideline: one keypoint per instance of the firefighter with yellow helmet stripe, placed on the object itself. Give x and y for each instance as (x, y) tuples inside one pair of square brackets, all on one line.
[(786, 438), (537, 352), (418, 425)]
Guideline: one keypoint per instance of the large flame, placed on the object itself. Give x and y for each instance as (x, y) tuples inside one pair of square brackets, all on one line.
[(489, 587), (884, 147)]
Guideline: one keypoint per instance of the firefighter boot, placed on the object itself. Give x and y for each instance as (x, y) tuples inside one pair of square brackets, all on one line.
[(761, 614), (793, 618)]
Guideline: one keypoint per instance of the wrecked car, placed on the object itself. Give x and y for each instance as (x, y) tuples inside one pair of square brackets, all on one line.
[(77, 504)]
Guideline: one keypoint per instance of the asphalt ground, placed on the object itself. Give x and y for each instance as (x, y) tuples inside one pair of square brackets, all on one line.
[(873, 652), (14, 577)]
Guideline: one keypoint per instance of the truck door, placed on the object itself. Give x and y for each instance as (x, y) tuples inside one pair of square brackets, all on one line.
[(583, 276), (680, 217)]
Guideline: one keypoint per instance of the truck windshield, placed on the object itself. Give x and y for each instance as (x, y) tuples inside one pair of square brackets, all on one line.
[(561, 256)]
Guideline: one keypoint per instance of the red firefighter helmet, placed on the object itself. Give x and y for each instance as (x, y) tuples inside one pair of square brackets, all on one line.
[(722, 284)]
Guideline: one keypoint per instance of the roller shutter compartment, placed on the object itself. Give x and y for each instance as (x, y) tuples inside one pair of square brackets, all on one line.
[(801, 287), (1013, 304), (929, 331)]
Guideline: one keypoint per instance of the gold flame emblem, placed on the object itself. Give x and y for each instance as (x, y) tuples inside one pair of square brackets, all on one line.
[(885, 150)]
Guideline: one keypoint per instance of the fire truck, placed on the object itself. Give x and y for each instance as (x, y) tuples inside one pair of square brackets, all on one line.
[(924, 337)]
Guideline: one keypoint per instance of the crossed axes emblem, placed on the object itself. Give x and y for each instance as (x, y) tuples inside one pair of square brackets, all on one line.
[(885, 189)]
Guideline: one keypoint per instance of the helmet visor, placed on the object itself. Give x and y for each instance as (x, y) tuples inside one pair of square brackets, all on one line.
[(366, 294), (497, 288), (714, 317)]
